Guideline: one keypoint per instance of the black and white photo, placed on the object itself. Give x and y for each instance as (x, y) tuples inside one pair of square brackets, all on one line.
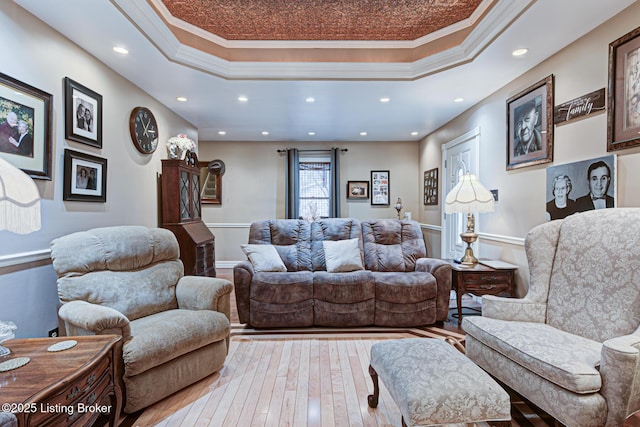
[(85, 177), (83, 114)]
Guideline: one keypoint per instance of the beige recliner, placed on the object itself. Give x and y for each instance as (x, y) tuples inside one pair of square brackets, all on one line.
[(128, 280), (572, 344)]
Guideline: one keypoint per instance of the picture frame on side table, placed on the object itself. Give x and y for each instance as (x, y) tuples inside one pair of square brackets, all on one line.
[(623, 114), (357, 190), (85, 177), (380, 188), (530, 125), (25, 127), (83, 114), (431, 187)]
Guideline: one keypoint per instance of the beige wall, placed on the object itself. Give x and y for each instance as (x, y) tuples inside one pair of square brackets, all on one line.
[(42, 58), (578, 69), (253, 185)]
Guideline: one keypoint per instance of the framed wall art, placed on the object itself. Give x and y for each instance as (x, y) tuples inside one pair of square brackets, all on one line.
[(25, 127), (85, 177), (530, 125), (623, 115), (431, 187), (357, 190), (211, 181), (380, 188), (83, 114)]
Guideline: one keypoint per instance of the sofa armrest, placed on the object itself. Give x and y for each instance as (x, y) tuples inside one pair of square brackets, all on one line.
[(441, 270), (516, 309), (242, 277), (84, 318), (204, 293), (620, 371)]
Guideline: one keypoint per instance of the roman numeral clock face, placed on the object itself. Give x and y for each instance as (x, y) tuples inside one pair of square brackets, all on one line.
[(144, 130)]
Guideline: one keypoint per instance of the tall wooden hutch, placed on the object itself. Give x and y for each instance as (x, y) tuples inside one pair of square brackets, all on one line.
[(181, 213)]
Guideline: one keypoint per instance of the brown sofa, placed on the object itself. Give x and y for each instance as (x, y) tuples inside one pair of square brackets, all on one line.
[(398, 285)]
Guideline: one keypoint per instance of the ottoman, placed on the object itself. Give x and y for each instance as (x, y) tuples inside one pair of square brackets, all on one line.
[(433, 383)]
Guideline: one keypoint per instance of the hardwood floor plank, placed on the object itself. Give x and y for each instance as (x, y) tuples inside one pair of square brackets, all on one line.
[(251, 400), (302, 390), (326, 389), (266, 391), (351, 394), (340, 415), (314, 409)]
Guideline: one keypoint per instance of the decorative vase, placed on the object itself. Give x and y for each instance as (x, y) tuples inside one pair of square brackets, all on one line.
[(175, 152)]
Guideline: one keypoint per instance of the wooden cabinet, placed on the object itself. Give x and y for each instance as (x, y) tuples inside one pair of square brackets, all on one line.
[(63, 388), (181, 213)]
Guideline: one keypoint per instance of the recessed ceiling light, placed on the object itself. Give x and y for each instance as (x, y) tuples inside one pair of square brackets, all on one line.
[(310, 99), (243, 98), (120, 49), (181, 99), (363, 134), (221, 132), (385, 99), (414, 133), (458, 99), (520, 52), (311, 133), (264, 132)]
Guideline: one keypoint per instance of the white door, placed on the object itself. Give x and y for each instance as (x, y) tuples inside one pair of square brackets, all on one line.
[(459, 157)]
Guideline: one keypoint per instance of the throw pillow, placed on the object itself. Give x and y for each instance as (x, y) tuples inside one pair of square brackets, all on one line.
[(264, 257), (342, 255)]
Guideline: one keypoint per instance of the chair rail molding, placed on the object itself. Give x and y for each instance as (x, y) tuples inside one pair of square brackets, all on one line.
[(511, 240), (24, 257)]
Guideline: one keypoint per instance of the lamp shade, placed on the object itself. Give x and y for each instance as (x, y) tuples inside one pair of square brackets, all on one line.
[(469, 196), (19, 200)]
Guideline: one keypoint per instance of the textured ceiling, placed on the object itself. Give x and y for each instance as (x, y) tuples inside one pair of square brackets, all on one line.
[(334, 20)]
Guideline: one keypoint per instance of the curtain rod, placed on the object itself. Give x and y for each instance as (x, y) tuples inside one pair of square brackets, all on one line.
[(344, 150)]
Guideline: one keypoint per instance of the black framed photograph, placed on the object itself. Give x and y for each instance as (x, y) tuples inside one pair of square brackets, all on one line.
[(83, 114), (25, 127), (380, 188), (85, 177), (623, 115), (581, 186), (431, 187), (530, 125), (357, 190)]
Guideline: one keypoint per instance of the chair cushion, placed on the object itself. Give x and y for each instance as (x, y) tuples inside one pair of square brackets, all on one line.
[(263, 257), (342, 255), (164, 336), (565, 359)]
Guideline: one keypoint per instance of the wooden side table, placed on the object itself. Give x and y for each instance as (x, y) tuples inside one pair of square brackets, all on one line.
[(73, 386), (480, 279)]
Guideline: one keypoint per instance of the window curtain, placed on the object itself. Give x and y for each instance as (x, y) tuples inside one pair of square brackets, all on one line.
[(292, 196), (334, 197)]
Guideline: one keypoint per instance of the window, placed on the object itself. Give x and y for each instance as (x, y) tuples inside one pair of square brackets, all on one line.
[(315, 188)]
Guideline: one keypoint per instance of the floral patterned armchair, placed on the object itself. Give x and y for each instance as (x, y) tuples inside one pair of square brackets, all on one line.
[(572, 344)]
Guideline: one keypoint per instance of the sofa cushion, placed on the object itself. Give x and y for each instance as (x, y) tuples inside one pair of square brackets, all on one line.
[(162, 337), (407, 287), (282, 288), (263, 257), (292, 239), (392, 245), (333, 229), (565, 359), (342, 255)]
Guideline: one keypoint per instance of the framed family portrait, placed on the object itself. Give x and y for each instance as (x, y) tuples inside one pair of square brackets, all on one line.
[(431, 187), (85, 177), (530, 125), (357, 190), (623, 115), (25, 127), (83, 114), (380, 188)]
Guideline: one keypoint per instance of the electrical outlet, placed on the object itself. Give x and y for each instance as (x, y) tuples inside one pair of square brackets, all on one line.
[(53, 333)]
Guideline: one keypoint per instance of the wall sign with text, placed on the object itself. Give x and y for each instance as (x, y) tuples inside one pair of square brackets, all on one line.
[(580, 107)]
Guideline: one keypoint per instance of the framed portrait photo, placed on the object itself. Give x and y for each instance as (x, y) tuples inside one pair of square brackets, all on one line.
[(85, 177), (83, 114), (431, 187), (25, 127), (530, 125), (380, 188), (623, 115), (357, 190)]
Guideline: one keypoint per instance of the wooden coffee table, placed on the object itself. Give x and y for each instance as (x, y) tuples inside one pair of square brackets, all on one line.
[(73, 386)]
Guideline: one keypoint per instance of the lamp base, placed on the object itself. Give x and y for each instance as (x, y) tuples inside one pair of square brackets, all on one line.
[(469, 258)]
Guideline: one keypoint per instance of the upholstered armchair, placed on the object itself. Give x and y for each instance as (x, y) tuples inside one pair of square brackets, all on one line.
[(572, 344), (129, 281)]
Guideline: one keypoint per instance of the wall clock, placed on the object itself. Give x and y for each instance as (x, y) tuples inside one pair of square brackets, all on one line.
[(144, 130)]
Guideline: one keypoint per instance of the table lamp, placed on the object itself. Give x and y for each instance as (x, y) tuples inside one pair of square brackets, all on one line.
[(469, 196), (398, 206)]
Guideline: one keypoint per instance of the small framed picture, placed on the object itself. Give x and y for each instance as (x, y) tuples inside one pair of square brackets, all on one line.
[(431, 187), (25, 127), (83, 114), (85, 177), (357, 190), (530, 125), (380, 188), (623, 114)]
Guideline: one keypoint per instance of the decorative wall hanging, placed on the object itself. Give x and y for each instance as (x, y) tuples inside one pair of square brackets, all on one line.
[(357, 190), (85, 177), (431, 187), (380, 188), (83, 114), (580, 107)]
